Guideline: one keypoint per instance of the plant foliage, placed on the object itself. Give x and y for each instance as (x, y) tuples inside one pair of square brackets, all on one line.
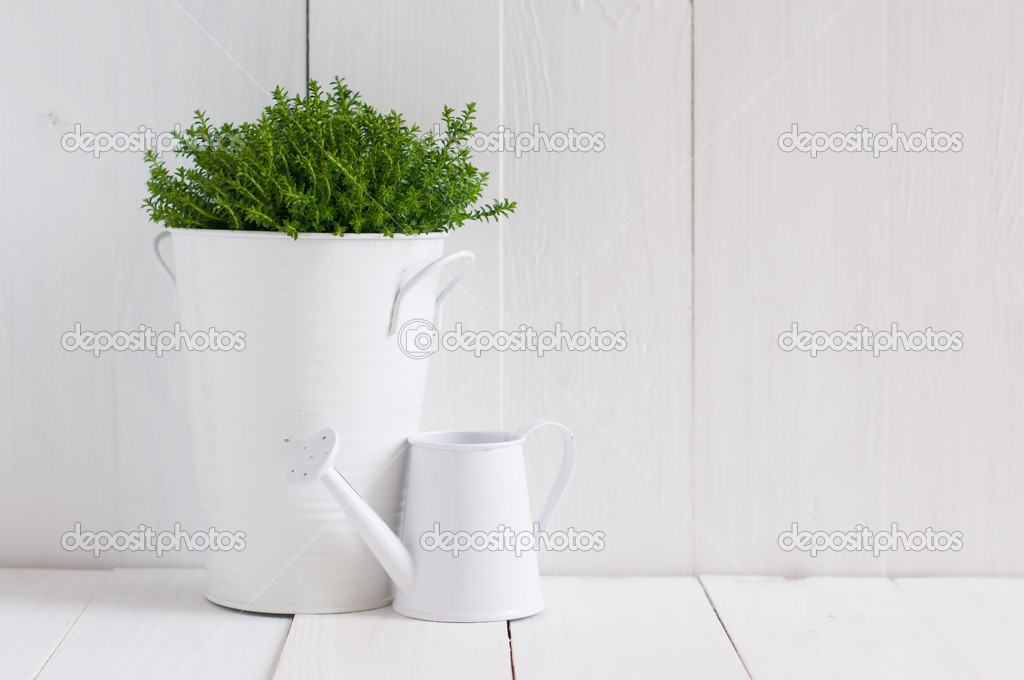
[(327, 163)]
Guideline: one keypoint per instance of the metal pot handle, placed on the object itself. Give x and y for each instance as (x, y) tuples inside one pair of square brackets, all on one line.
[(162, 236), (467, 256)]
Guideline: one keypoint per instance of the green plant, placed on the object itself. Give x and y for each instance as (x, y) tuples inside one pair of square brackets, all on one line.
[(326, 162)]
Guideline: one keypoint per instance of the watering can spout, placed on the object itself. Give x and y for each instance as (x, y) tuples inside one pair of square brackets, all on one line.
[(314, 460)]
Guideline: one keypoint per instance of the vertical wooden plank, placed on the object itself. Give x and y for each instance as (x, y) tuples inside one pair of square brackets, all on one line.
[(155, 623), (382, 644), (958, 233), (980, 619), (782, 238), (921, 239), (621, 628), (39, 607), (824, 628), (602, 240), (104, 441), (417, 58)]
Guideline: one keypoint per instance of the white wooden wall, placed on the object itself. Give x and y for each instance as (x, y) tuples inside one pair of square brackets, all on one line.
[(702, 441), (927, 439), (603, 240)]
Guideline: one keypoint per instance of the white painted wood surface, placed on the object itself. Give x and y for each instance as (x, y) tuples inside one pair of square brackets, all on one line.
[(782, 238), (602, 240), (623, 628), (104, 441), (823, 628), (381, 644), (958, 239), (155, 623), (37, 608), (926, 239), (982, 620)]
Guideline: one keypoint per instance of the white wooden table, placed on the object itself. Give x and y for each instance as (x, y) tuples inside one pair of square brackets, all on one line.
[(155, 623)]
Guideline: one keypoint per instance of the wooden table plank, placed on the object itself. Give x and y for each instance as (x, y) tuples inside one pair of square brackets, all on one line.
[(156, 624), (382, 644), (824, 628), (37, 609), (623, 628), (982, 619)]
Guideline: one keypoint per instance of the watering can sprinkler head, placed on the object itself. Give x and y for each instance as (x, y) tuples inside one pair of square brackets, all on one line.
[(314, 460)]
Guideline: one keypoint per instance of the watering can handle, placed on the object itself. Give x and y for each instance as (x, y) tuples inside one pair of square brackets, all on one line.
[(465, 255), (163, 236), (568, 463)]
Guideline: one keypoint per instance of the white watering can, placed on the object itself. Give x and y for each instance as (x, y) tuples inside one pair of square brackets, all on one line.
[(467, 546)]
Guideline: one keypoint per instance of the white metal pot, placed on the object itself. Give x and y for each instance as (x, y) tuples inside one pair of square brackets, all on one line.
[(319, 315)]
